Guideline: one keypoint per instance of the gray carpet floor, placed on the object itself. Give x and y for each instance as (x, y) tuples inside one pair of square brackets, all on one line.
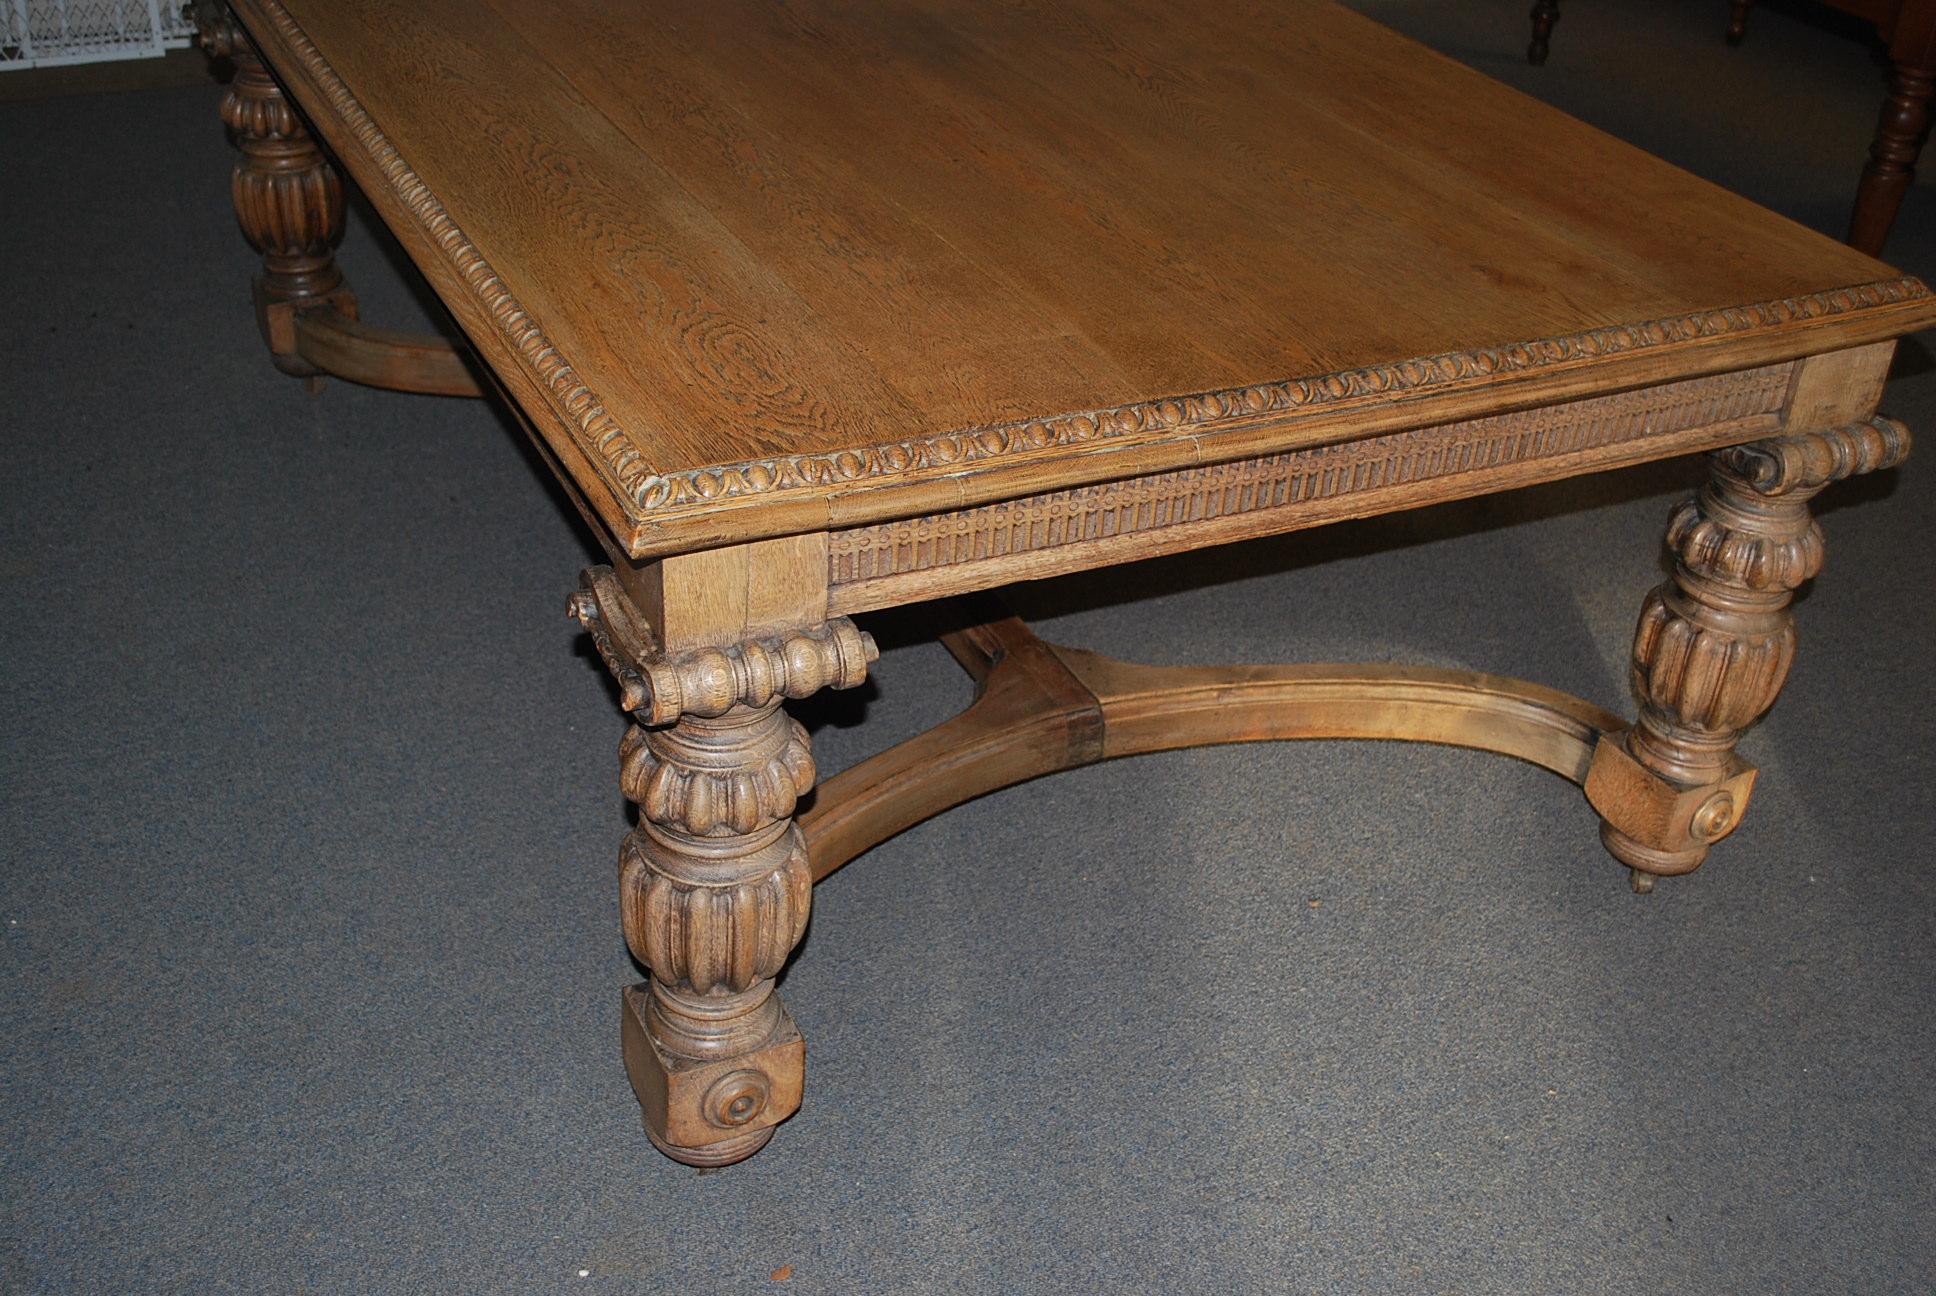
[(308, 820)]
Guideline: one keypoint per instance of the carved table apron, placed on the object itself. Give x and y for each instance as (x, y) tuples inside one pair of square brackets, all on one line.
[(825, 308)]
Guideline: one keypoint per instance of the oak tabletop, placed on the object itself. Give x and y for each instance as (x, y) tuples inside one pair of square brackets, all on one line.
[(752, 267)]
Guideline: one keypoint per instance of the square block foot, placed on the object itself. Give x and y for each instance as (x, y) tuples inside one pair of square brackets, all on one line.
[(725, 1104), (1664, 818)]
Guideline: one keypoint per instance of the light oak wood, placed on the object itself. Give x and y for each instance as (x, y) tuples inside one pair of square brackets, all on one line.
[(1836, 388), (722, 596), (943, 554), (754, 271), (714, 889), (1715, 642), (345, 347), (832, 305), (1049, 535), (1041, 708), (289, 202), (1031, 716)]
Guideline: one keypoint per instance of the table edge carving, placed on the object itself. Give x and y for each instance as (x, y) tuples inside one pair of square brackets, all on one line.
[(651, 504)]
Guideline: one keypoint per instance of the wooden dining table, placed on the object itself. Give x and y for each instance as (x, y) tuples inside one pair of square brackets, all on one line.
[(818, 307)]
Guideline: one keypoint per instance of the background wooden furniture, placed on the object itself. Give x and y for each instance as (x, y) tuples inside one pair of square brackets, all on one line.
[(1908, 30), (832, 308)]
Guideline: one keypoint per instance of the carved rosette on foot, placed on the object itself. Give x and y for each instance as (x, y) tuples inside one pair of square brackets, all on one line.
[(287, 197), (714, 884), (1714, 644)]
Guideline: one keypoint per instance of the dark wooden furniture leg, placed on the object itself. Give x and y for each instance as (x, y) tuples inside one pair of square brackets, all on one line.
[(1892, 156), (1545, 14), (1738, 20), (1904, 122), (1715, 642)]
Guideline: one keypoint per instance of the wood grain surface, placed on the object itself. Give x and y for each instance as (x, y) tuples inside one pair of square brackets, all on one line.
[(757, 268)]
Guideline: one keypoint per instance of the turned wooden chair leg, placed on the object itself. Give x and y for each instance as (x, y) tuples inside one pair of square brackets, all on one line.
[(1715, 642), (288, 199), (1892, 156), (1545, 14), (714, 886), (1738, 20)]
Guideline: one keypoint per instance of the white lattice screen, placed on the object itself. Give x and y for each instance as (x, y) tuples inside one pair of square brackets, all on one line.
[(35, 33)]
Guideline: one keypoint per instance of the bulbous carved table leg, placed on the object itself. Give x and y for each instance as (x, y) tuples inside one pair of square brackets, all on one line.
[(714, 893), (714, 885), (288, 199), (1714, 644)]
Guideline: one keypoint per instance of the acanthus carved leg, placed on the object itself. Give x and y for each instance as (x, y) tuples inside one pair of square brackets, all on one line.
[(1545, 14), (288, 199), (714, 883), (1715, 642)]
